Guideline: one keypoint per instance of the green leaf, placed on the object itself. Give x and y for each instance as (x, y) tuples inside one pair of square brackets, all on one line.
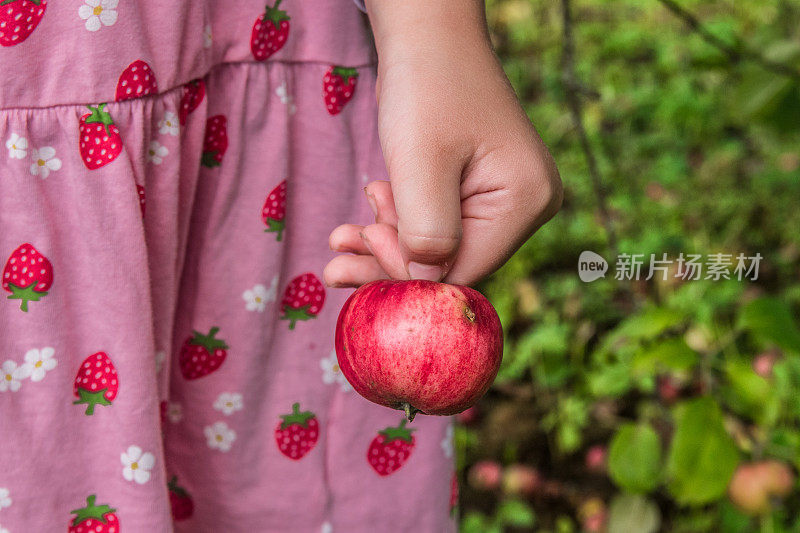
[(748, 393), (475, 522), (770, 319), (648, 324), (702, 456), (515, 513), (633, 513), (568, 437), (634, 458), (763, 98), (610, 380), (784, 443), (670, 354), (732, 520)]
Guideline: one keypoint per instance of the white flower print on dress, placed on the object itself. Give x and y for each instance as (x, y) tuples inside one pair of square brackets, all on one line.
[(11, 375), (174, 412), (4, 530), (5, 497), (331, 373), (137, 464), (98, 13), (44, 161), (219, 436), (156, 152), (327, 527), (168, 124), (17, 146), (40, 362), (447, 441), (285, 97), (207, 36), (259, 295), (229, 402)]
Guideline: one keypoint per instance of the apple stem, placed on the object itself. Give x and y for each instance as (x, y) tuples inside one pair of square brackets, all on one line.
[(410, 411)]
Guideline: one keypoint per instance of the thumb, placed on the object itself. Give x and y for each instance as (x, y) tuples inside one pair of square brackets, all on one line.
[(426, 189)]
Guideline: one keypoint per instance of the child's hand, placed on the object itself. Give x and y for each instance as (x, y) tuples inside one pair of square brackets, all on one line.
[(470, 178)]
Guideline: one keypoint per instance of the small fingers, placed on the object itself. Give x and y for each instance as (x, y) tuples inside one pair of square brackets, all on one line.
[(379, 194), (383, 243), (347, 239), (352, 271)]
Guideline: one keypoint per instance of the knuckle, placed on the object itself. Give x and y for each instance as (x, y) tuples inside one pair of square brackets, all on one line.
[(553, 190), (542, 182), (435, 247)]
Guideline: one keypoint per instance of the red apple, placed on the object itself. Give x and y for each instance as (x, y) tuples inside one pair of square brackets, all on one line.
[(779, 478), (764, 362), (519, 479), (595, 523), (485, 475), (419, 346), (669, 389), (754, 485), (593, 515), (596, 458)]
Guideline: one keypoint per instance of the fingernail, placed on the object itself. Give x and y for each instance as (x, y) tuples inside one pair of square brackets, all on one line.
[(428, 272), (366, 242), (371, 200)]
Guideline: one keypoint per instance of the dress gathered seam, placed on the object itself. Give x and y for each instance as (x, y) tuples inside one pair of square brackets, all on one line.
[(178, 87)]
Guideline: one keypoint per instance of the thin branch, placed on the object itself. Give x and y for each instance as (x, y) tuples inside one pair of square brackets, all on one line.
[(571, 84), (736, 53)]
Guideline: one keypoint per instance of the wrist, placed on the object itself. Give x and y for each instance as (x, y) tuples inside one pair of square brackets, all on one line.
[(415, 27)]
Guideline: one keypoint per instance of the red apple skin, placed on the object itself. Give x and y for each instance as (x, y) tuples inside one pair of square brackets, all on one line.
[(433, 347)]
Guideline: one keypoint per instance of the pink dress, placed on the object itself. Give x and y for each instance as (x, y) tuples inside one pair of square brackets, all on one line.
[(169, 175)]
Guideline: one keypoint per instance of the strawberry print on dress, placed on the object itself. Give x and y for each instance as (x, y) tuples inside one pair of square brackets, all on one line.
[(100, 142), (191, 98), (216, 141), (270, 31), (391, 448), (202, 354), (96, 383), (136, 80), (94, 518), (303, 299), (18, 19), (338, 87), (274, 211), (180, 501), (28, 275), (297, 433)]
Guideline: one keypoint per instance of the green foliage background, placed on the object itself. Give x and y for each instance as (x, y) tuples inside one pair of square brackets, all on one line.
[(699, 153)]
